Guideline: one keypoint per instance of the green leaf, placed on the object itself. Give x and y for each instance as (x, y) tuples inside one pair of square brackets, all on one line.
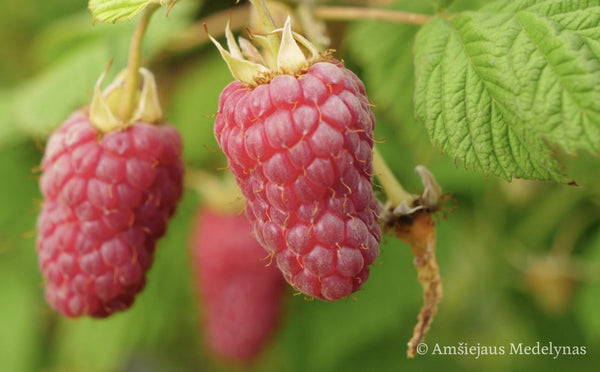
[(8, 132), (495, 87), (192, 108), (22, 315), (588, 298), (386, 67), (78, 54), (387, 70), (19, 318), (111, 11), (46, 100)]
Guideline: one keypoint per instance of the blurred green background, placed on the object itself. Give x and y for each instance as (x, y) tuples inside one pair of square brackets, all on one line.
[(520, 261)]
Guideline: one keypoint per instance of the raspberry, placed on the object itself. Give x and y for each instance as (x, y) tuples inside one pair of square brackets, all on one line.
[(106, 201), (300, 147), (239, 294)]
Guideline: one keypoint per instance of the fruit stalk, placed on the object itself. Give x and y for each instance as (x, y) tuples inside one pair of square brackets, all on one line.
[(393, 189), (268, 23), (132, 81)]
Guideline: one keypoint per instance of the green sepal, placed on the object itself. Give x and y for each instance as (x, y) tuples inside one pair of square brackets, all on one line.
[(290, 56), (105, 104), (241, 69), (101, 114), (148, 109)]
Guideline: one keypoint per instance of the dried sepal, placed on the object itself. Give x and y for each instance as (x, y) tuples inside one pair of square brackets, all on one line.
[(105, 103), (250, 66), (148, 109), (101, 115), (241, 69), (249, 51), (432, 192), (231, 44), (290, 57)]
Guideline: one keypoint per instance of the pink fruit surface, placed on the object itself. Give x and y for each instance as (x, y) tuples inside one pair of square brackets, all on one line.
[(239, 296), (300, 148), (107, 199)]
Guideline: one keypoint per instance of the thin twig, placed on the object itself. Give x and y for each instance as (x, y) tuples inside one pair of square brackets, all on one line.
[(344, 13), (347, 2), (238, 18), (196, 34)]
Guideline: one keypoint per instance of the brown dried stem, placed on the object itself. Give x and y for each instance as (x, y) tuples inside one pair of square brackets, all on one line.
[(418, 230)]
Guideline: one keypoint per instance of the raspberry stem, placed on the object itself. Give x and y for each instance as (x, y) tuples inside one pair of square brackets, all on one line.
[(220, 194), (393, 189), (268, 23), (132, 82), (344, 13), (238, 17)]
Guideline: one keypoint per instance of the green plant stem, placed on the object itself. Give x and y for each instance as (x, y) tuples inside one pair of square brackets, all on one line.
[(269, 24), (344, 13), (393, 189), (132, 80)]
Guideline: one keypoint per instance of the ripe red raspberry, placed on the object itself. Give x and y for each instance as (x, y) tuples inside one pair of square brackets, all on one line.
[(107, 199), (300, 147), (239, 295)]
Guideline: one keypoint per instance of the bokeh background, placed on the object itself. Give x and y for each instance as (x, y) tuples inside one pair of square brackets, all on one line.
[(520, 260)]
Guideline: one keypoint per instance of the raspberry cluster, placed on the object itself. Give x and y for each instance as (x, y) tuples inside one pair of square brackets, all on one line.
[(107, 199)]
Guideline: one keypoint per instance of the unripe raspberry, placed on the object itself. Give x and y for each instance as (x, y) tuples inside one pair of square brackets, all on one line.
[(239, 296), (298, 137), (107, 199)]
